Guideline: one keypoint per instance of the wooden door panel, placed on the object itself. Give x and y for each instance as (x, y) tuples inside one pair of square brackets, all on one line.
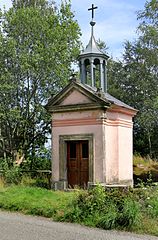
[(78, 163), (84, 163), (73, 179), (83, 179), (72, 163)]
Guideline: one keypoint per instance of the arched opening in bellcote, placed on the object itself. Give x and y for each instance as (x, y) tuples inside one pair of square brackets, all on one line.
[(93, 72)]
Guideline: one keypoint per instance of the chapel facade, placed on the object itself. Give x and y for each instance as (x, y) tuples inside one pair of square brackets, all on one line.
[(92, 131)]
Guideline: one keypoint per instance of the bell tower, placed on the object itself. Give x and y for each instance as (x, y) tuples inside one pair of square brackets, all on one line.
[(93, 62)]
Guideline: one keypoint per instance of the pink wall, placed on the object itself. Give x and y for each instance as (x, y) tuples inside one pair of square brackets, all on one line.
[(111, 149), (125, 142), (75, 97), (119, 148), (76, 123), (98, 147), (113, 140)]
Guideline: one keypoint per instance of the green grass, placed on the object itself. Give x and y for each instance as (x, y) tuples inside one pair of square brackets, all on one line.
[(135, 210), (35, 201)]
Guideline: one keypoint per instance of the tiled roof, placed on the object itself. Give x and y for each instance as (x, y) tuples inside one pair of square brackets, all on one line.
[(107, 97)]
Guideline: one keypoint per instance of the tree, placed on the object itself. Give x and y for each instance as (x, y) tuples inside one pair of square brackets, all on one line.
[(38, 44), (136, 79)]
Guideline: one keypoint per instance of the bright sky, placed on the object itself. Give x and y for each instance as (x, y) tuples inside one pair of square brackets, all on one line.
[(116, 21)]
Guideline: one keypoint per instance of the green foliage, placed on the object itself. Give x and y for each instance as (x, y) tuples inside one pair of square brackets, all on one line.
[(102, 45), (40, 180), (38, 43), (108, 219), (35, 201), (12, 175), (120, 214), (106, 209), (149, 195), (152, 205), (130, 213), (40, 161), (134, 80)]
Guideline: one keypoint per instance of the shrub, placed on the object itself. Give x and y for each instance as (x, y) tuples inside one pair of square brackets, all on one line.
[(129, 214), (105, 208), (12, 175), (2, 184), (152, 204), (108, 219), (40, 181)]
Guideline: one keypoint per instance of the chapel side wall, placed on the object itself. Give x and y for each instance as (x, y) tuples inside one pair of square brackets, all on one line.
[(111, 151), (125, 155), (119, 148), (96, 130)]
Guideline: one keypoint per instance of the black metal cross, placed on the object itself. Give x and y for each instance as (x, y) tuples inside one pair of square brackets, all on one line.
[(92, 9)]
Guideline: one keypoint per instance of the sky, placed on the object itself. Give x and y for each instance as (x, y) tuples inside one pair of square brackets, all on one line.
[(116, 21)]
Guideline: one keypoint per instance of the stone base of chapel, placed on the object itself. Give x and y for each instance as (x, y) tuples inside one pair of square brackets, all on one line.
[(63, 185)]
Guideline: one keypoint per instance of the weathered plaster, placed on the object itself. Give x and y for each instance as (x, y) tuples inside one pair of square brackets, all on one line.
[(76, 98)]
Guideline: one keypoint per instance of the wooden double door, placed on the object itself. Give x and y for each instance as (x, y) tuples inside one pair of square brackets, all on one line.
[(77, 163)]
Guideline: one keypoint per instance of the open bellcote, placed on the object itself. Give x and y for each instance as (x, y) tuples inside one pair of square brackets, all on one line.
[(93, 64)]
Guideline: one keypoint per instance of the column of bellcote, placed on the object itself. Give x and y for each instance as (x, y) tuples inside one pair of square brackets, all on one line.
[(93, 62)]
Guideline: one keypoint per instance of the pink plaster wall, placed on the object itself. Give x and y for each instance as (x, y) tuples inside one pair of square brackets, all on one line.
[(111, 151), (75, 98), (117, 115), (125, 155), (98, 114), (119, 144)]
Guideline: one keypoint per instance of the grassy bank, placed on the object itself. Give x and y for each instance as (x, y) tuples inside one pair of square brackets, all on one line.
[(34, 201), (135, 210)]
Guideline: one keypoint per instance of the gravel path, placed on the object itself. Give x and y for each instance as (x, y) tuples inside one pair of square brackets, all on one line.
[(15, 226)]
